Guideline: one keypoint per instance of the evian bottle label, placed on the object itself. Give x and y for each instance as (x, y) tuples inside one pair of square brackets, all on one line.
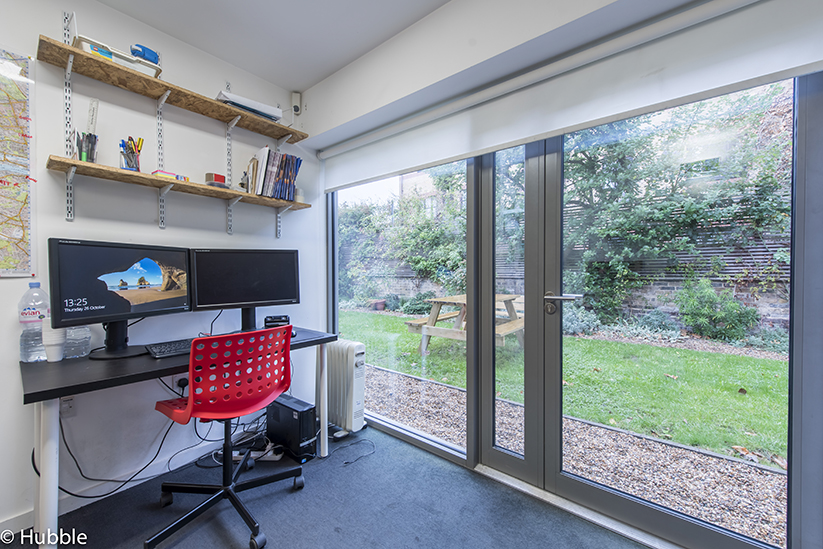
[(32, 314)]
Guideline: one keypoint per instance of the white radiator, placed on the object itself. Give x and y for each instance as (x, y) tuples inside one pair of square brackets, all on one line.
[(347, 383)]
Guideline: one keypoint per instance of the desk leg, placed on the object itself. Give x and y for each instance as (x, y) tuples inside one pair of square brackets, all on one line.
[(48, 493), (322, 401)]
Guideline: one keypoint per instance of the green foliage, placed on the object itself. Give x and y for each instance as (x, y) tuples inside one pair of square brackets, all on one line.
[(607, 285), (359, 229), (658, 320), (509, 202), (770, 339), (359, 302), (577, 320), (632, 195), (713, 314), (393, 302), (417, 305)]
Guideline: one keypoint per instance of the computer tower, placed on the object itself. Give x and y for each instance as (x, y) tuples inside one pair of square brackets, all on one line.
[(291, 423)]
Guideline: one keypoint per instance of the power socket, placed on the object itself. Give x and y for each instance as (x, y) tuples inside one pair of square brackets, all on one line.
[(67, 407), (177, 378)]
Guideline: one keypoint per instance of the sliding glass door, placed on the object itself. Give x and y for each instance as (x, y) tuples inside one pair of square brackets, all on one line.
[(675, 360), (622, 334)]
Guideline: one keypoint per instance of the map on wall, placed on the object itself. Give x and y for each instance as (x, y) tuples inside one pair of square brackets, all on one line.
[(15, 165)]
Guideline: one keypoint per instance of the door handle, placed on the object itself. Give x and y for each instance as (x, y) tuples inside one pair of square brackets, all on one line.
[(550, 298)]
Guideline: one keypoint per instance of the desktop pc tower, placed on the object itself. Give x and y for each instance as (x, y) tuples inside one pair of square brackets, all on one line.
[(291, 423)]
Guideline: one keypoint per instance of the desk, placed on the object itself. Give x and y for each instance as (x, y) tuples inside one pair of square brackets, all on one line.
[(46, 382), (512, 322)]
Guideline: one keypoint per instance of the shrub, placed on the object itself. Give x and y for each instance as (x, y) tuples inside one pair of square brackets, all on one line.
[(636, 331), (357, 302), (658, 320), (607, 285), (417, 305), (770, 339), (392, 302), (577, 320), (713, 314)]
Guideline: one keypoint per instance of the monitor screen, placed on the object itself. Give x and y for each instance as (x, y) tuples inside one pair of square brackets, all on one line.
[(107, 282), (244, 279)]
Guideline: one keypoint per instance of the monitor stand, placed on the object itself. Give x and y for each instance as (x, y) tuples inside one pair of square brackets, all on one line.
[(248, 319), (117, 343)]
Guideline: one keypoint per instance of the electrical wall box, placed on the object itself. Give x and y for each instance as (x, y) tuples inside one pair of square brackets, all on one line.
[(291, 423)]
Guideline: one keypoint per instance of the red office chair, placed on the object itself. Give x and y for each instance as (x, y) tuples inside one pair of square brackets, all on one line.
[(230, 376)]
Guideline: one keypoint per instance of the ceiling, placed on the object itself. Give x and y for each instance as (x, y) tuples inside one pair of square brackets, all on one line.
[(291, 43)]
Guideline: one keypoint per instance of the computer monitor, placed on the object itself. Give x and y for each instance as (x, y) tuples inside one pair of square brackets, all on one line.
[(244, 279), (111, 283)]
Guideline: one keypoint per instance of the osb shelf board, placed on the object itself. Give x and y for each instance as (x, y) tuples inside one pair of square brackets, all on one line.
[(106, 71), (99, 171)]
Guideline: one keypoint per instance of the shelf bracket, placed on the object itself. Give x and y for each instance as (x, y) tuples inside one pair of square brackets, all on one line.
[(161, 204), (280, 212), (282, 141), (229, 126), (70, 193), (160, 102), (229, 214)]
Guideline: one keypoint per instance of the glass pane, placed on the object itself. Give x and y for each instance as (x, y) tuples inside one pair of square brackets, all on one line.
[(509, 222), (402, 285), (675, 362)]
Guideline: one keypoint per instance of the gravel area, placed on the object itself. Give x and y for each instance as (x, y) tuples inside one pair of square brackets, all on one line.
[(728, 492)]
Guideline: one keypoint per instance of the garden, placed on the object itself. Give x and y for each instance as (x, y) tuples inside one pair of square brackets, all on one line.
[(675, 234)]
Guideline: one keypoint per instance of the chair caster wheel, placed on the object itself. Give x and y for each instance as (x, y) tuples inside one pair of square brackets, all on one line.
[(299, 482), (258, 541), (166, 498), (249, 464)]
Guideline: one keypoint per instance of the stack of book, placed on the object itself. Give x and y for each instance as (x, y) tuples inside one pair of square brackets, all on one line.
[(272, 174)]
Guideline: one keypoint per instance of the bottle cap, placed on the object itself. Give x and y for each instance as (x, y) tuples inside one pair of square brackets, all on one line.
[(34, 284)]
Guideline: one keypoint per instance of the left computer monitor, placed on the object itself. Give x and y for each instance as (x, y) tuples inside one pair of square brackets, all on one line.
[(111, 283)]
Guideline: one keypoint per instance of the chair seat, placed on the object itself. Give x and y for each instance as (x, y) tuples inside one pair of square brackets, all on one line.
[(174, 409)]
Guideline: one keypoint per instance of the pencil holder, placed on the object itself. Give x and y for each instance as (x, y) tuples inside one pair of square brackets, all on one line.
[(130, 161)]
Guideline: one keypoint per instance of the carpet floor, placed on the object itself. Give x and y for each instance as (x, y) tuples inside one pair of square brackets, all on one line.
[(373, 490)]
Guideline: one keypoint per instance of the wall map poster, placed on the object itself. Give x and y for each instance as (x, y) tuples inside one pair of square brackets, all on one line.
[(15, 165)]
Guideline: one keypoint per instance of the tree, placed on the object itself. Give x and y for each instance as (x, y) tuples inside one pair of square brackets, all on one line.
[(428, 231), (654, 185)]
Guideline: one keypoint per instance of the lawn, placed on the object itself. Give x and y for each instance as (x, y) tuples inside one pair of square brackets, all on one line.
[(708, 400)]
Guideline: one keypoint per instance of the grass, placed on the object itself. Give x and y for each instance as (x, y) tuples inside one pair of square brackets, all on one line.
[(700, 399)]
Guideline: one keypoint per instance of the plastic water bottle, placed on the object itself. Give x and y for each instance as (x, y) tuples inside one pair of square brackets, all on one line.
[(32, 309), (78, 341)]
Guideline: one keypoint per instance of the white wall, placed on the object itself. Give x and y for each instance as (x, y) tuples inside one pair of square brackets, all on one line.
[(456, 37), (759, 43), (116, 431)]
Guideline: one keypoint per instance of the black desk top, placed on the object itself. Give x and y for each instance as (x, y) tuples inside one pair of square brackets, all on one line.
[(49, 380)]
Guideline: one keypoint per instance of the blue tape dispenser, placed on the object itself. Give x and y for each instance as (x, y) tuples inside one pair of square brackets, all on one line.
[(141, 51)]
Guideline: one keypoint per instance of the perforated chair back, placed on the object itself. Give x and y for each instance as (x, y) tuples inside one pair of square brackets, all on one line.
[(233, 375)]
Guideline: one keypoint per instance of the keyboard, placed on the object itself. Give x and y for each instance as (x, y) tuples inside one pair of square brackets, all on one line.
[(169, 348)]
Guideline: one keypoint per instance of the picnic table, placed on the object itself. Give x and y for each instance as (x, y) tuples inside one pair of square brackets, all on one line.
[(509, 315)]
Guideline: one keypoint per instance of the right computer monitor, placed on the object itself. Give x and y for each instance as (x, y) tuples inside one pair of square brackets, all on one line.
[(244, 279)]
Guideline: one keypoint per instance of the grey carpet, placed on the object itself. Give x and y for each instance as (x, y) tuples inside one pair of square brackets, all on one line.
[(397, 497)]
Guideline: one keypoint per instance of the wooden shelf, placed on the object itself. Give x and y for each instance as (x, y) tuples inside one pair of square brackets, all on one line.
[(96, 67), (108, 173)]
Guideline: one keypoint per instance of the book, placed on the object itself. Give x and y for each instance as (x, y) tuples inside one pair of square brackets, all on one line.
[(271, 173), (262, 157)]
